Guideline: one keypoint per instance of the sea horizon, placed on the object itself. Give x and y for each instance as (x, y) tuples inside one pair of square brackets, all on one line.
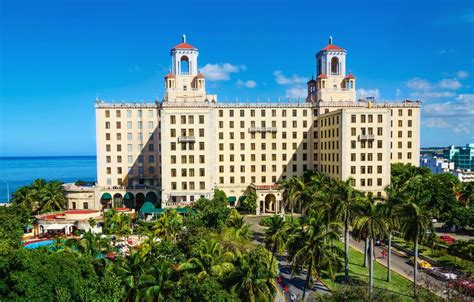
[(18, 171)]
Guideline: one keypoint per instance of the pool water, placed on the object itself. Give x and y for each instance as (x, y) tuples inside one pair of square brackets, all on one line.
[(37, 244)]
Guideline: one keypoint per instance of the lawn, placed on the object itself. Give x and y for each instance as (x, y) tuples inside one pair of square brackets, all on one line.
[(399, 284), (440, 255)]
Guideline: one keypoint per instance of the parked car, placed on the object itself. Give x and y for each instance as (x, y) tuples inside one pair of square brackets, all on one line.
[(446, 239), (441, 273), (423, 264), (463, 286)]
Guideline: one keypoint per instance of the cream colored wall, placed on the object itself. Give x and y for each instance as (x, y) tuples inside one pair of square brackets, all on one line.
[(208, 139), (278, 151), (108, 173), (401, 149)]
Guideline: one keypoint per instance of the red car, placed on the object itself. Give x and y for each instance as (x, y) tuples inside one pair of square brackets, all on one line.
[(447, 239), (463, 286)]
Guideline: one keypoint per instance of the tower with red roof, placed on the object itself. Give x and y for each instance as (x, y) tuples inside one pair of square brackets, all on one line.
[(184, 82), (332, 83)]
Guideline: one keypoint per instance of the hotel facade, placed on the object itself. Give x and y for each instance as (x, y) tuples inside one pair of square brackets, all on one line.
[(175, 151)]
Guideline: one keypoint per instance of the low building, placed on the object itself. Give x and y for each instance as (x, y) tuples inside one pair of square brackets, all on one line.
[(463, 157), (464, 176), (437, 165)]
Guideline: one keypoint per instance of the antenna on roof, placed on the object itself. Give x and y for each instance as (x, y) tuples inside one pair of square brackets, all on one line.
[(330, 39), (184, 38)]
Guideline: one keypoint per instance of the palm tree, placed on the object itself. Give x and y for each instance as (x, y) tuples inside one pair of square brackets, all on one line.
[(154, 280), (342, 211), (371, 221), (415, 224), (276, 235), (211, 259), (253, 279), (169, 225), (24, 196), (238, 227), (389, 208), (314, 246), (52, 197)]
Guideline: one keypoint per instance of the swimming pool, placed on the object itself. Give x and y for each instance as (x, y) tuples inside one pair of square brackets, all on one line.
[(37, 244)]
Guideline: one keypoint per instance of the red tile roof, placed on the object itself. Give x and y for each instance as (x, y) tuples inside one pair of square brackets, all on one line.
[(80, 211), (332, 47), (199, 75), (350, 76), (184, 45), (322, 76), (169, 75)]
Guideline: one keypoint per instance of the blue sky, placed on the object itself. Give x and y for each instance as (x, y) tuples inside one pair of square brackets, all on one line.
[(57, 56)]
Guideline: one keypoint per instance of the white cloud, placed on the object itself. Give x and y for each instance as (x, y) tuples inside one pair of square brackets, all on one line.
[(220, 72), (462, 74), (432, 94), (248, 83), (398, 92), (296, 92), (452, 84), (281, 79), (456, 114), (418, 84), (365, 93)]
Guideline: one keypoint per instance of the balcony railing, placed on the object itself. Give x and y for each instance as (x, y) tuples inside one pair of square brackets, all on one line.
[(262, 129), (186, 139), (366, 137)]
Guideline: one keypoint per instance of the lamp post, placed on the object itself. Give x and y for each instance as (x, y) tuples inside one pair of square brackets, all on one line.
[(8, 192)]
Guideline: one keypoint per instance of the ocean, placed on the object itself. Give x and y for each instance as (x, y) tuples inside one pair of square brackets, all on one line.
[(21, 171)]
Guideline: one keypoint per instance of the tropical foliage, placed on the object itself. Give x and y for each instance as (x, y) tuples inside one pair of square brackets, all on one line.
[(43, 196)]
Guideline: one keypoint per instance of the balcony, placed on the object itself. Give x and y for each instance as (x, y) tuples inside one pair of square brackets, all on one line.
[(186, 139), (262, 129), (366, 137)]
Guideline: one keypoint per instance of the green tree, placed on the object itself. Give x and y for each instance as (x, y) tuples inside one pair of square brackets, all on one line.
[(415, 225), (253, 279), (313, 246), (370, 220), (276, 235), (210, 259), (169, 225), (249, 203)]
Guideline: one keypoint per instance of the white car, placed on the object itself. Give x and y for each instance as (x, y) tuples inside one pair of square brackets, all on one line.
[(441, 274)]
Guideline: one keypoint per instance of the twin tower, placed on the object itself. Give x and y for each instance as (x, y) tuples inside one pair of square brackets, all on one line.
[(185, 83)]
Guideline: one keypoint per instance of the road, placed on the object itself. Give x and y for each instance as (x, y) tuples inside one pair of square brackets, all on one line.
[(401, 266), (295, 283)]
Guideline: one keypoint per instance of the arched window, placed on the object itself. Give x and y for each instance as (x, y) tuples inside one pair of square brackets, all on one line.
[(335, 65), (184, 65)]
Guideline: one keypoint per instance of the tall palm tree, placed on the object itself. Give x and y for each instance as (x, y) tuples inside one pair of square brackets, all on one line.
[(391, 203), (24, 196), (371, 221), (415, 225), (342, 211), (313, 246), (253, 279), (151, 283), (238, 227), (291, 191), (210, 260), (276, 235)]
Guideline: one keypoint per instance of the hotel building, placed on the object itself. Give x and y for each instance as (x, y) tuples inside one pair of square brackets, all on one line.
[(174, 151)]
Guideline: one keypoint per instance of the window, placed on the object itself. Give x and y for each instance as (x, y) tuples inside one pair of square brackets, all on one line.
[(150, 125), (353, 119), (353, 131), (201, 119), (173, 119), (107, 113), (410, 112), (201, 132), (335, 66), (379, 118)]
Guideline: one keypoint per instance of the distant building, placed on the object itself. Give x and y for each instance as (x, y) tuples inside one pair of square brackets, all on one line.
[(437, 165), (463, 157), (464, 176)]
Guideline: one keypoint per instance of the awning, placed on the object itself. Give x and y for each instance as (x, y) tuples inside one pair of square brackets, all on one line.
[(184, 210), (148, 207), (128, 196), (55, 226), (232, 198), (106, 196)]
